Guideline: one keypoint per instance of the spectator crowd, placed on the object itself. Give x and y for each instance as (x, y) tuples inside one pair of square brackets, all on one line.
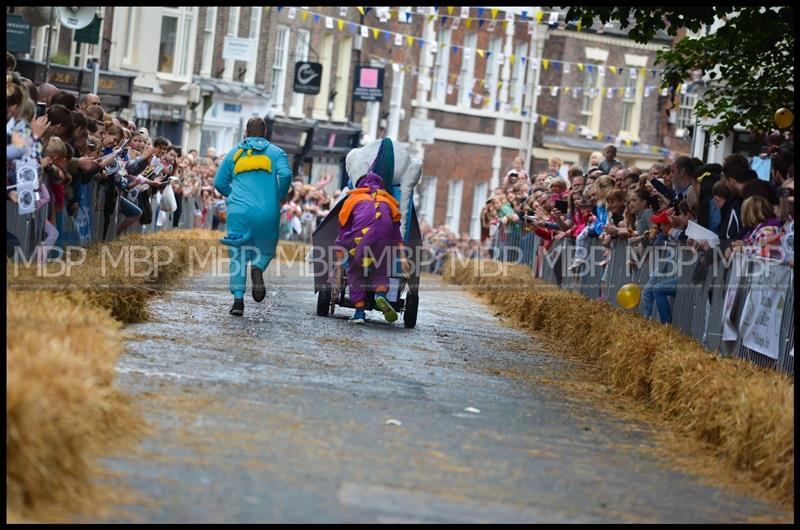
[(608, 202), (76, 148)]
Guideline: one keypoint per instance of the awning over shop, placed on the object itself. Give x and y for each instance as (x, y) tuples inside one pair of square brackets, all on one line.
[(114, 88), (233, 89)]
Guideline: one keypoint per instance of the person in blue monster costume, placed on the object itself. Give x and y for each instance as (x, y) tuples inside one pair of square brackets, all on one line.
[(254, 176)]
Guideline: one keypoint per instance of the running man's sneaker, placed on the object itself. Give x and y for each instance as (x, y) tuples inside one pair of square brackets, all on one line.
[(359, 317), (237, 309), (386, 308), (259, 291)]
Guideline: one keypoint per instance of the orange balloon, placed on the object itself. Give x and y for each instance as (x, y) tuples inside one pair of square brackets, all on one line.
[(784, 118)]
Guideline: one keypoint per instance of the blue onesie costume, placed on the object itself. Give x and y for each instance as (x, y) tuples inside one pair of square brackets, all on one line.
[(254, 176)]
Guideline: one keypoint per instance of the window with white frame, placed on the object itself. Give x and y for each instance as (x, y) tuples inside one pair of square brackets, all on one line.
[(302, 43), (479, 196), (370, 121), (233, 31), (80, 52), (429, 200), (453, 216), (187, 42), (395, 104), (130, 35), (686, 111), (167, 45), (175, 51), (588, 96), (255, 30), (467, 70), (518, 77), (208, 41), (41, 53), (342, 78), (628, 104), (493, 67), (279, 66), (442, 65)]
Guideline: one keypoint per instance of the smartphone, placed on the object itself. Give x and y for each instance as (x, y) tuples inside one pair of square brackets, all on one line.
[(561, 206), (41, 109)]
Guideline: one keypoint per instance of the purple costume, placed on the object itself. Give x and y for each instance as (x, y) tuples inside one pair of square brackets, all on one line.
[(369, 224)]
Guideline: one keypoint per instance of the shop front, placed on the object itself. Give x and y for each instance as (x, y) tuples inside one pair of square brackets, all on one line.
[(296, 138), (329, 147), (114, 88), (161, 120)]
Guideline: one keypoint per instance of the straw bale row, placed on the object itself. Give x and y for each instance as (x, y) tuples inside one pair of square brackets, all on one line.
[(745, 413), (63, 341)]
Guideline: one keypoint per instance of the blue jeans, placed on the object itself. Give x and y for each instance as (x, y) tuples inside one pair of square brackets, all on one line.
[(662, 291), (647, 296)]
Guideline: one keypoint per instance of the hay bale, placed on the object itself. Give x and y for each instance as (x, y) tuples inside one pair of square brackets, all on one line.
[(61, 404), (744, 412), (61, 352)]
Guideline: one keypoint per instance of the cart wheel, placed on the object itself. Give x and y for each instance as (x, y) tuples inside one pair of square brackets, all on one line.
[(324, 301), (410, 311)]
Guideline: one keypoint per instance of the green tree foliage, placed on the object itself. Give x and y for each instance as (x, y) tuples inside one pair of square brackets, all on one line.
[(749, 59)]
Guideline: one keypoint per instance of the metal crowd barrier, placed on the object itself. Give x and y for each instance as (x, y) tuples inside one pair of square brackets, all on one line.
[(698, 305), (28, 228)]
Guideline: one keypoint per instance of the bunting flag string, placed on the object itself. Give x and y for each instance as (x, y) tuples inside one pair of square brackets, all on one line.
[(562, 126), (546, 63), (552, 90)]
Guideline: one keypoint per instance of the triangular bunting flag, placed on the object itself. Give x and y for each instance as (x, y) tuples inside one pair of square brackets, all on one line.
[(410, 40), (305, 16), (505, 25), (545, 63), (580, 67), (431, 17), (480, 12), (613, 69), (340, 23), (316, 18), (542, 119), (512, 58), (375, 33), (539, 16), (468, 23), (450, 10), (494, 12), (360, 10), (571, 128), (480, 52), (578, 26), (480, 23)]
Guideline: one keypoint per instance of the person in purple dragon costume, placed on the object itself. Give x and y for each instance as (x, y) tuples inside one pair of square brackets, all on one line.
[(369, 225)]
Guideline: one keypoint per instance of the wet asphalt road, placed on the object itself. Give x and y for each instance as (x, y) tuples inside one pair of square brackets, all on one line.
[(280, 416)]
